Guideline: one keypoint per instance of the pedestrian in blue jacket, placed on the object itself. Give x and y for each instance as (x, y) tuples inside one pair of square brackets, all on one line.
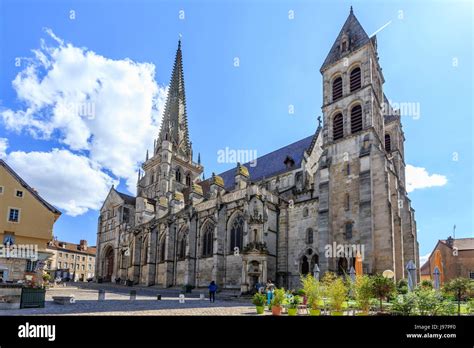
[(212, 291)]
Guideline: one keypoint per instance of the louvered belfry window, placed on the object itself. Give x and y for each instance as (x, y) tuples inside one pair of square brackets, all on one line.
[(388, 143), (337, 88), (355, 79), (338, 127), (356, 119)]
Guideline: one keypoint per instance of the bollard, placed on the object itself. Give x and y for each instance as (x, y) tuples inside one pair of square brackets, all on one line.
[(101, 295), (158, 297), (181, 298), (133, 295), (201, 296)]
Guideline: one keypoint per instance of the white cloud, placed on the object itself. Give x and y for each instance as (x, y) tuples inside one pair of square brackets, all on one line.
[(3, 147), (419, 178), (107, 109), (424, 258), (68, 181)]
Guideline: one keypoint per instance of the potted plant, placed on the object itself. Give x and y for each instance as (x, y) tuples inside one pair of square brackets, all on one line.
[(293, 303), (312, 290), (363, 293), (277, 300), (259, 301), (337, 292)]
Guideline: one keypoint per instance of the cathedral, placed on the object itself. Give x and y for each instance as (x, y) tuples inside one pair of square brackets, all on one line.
[(284, 214)]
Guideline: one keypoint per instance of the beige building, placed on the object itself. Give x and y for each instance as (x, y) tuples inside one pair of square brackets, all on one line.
[(26, 227), (71, 261)]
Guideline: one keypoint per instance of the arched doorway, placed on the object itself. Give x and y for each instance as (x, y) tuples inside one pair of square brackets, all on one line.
[(304, 265), (108, 264), (342, 266)]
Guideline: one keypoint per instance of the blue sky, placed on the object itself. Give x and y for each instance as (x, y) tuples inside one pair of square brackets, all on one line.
[(425, 53)]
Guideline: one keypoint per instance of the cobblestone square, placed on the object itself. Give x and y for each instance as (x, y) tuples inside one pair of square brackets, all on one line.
[(117, 302)]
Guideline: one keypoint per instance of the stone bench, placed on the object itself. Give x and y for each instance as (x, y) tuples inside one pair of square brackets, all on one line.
[(64, 300)]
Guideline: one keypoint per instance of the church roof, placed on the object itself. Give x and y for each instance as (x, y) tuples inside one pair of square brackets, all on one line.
[(127, 198), (357, 38), (269, 165)]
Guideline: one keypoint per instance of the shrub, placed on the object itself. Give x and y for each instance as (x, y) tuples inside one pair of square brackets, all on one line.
[(402, 287), (404, 304), (459, 288), (259, 299), (428, 301), (382, 288), (426, 284), (363, 292), (312, 289), (337, 293), (294, 301)]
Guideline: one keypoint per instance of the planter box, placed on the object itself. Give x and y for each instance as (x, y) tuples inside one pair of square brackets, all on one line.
[(32, 298), (10, 297)]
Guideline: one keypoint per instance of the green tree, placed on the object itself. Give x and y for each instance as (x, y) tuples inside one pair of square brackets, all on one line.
[(404, 304), (363, 292), (382, 288), (428, 301), (460, 288), (312, 290)]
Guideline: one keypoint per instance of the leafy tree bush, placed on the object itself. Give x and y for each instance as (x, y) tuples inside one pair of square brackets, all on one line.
[(402, 286), (428, 301), (460, 288), (312, 290), (363, 292), (404, 304), (337, 294), (426, 284), (382, 288)]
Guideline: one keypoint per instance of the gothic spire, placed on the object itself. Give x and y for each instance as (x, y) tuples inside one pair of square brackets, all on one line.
[(174, 127)]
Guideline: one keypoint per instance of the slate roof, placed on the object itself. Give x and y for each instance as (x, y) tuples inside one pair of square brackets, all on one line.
[(127, 198), (357, 38), (72, 247), (29, 188), (268, 165), (461, 243)]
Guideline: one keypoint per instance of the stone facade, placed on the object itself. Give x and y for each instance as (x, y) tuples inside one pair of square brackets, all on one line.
[(342, 186)]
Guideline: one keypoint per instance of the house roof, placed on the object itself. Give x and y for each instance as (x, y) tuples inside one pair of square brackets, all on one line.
[(357, 38), (35, 194), (461, 243), (268, 165), (72, 247)]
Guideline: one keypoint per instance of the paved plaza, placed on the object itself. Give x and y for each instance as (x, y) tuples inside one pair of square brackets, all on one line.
[(117, 302)]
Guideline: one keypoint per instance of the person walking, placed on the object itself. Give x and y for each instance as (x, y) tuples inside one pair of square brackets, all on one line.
[(212, 291), (270, 288)]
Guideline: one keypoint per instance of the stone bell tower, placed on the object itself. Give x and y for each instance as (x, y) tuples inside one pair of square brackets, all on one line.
[(354, 202)]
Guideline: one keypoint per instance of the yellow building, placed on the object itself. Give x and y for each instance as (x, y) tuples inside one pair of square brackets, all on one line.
[(26, 227)]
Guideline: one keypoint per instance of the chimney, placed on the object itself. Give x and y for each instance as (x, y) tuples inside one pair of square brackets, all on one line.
[(83, 244)]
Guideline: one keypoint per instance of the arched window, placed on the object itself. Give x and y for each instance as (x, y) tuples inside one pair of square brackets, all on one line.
[(188, 179), (162, 249), (355, 79), (356, 119), (145, 251), (237, 233), (309, 236), (337, 88), (207, 239), (348, 231), (182, 245), (388, 143), (304, 265), (178, 175), (338, 127)]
